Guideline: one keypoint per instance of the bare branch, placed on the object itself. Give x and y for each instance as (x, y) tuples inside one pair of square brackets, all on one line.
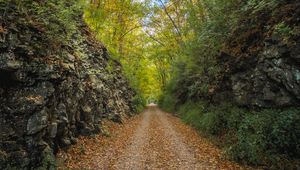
[(171, 19), (155, 39)]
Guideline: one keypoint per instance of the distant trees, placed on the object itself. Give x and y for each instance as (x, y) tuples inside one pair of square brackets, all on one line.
[(169, 49), (204, 26), (151, 38), (118, 24)]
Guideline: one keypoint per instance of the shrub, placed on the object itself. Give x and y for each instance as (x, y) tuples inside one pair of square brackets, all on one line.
[(167, 103), (211, 123), (191, 113), (234, 117), (251, 138), (138, 103), (267, 138), (285, 133), (203, 118)]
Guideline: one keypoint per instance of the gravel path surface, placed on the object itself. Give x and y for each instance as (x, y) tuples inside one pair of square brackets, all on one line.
[(152, 140)]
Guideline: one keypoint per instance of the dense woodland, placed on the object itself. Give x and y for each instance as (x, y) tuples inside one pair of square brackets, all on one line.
[(229, 68), (195, 57)]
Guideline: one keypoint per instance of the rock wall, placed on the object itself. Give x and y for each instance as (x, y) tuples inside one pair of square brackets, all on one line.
[(262, 58), (50, 94)]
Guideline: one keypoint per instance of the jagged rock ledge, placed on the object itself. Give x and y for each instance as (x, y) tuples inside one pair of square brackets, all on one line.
[(261, 60), (51, 93)]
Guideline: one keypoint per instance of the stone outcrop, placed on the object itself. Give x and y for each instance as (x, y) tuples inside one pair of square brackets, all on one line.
[(50, 94), (261, 59)]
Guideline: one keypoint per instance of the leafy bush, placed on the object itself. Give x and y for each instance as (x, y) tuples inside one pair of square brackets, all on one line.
[(234, 117), (168, 100), (138, 103), (211, 123), (168, 103), (267, 137), (251, 138), (261, 137), (191, 113), (196, 72), (212, 120)]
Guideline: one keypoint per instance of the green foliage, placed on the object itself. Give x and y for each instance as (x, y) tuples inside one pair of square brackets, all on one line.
[(56, 19), (191, 113), (168, 100), (251, 141), (139, 103), (211, 123), (266, 137), (283, 30), (210, 120), (196, 71), (48, 160), (269, 136), (118, 25), (257, 5), (174, 46), (168, 103), (197, 115)]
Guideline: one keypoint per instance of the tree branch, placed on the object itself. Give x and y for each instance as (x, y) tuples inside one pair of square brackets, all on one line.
[(171, 19), (155, 39)]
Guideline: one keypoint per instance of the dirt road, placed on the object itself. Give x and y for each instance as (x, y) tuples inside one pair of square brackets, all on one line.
[(151, 140)]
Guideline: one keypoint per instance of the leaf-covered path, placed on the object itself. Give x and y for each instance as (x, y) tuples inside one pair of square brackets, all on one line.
[(151, 140)]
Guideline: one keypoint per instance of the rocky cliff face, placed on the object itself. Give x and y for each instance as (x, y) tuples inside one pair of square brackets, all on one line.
[(52, 92), (262, 58)]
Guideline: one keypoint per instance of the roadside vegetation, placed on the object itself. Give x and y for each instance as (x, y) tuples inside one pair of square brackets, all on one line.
[(174, 51), (256, 136)]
